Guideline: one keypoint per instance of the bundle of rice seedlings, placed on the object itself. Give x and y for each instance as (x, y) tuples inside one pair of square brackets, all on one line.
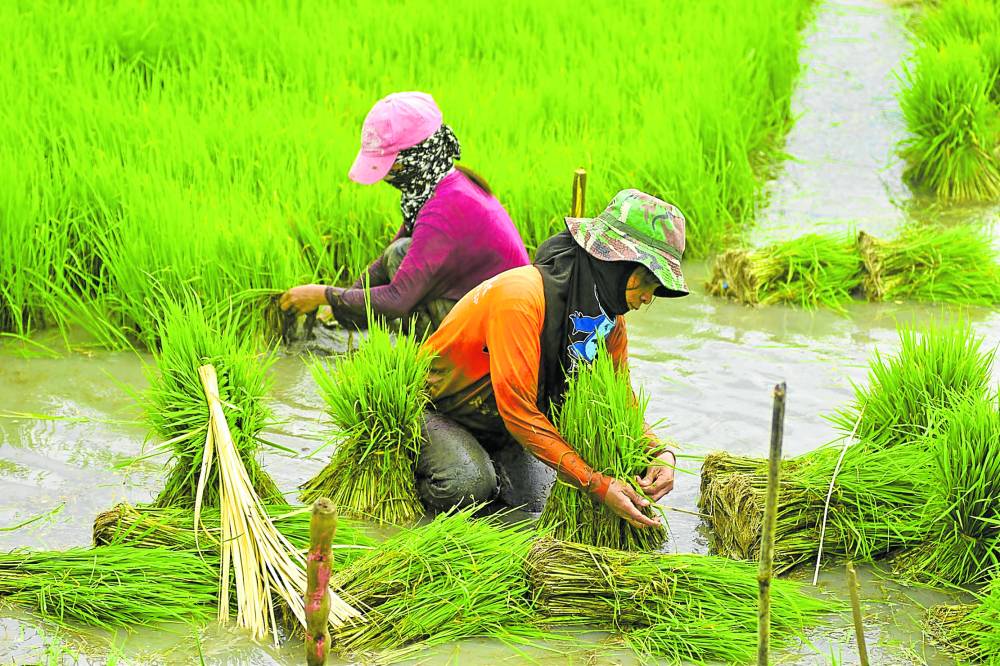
[(883, 475), (259, 557), (175, 407), (376, 397), (678, 607), (953, 123), (809, 271), (963, 544), (455, 578), (111, 586), (603, 420), (932, 263), (969, 631), (152, 527)]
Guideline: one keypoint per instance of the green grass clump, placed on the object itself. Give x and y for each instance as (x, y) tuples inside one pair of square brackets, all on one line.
[(603, 420), (111, 586), (677, 607), (932, 263), (963, 545), (949, 102), (220, 140), (173, 528), (884, 497), (809, 271), (458, 577), (376, 398), (175, 405), (969, 631)]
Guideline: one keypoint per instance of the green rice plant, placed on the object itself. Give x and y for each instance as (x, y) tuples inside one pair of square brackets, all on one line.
[(884, 475), (603, 420), (457, 577), (223, 137), (173, 528), (111, 586), (935, 369), (682, 608), (959, 20), (376, 398), (953, 123), (932, 263), (969, 632), (809, 271), (175, 406), (963, 544)]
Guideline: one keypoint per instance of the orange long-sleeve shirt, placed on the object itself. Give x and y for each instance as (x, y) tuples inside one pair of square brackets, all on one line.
[(494, 334)]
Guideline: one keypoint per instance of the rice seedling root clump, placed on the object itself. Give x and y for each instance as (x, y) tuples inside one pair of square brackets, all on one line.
[(676, 607), (376, 398), (603, 420), (969, 631), (809, 271)]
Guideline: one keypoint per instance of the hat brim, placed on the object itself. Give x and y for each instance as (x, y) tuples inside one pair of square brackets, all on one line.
[(607, 243), (369, 169)]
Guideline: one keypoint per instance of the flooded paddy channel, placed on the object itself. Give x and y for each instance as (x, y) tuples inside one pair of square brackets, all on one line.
[(68, 423)]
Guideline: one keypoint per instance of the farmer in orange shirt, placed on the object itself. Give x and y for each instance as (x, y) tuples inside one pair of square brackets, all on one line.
[(503, 354)]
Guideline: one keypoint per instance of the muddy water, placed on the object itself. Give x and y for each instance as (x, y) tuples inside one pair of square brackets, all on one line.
[(709, 366)]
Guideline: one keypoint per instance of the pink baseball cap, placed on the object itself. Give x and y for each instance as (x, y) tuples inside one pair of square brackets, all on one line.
[(396, 122)]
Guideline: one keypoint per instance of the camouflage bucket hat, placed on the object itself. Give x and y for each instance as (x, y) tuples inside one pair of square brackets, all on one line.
[(637, 227)]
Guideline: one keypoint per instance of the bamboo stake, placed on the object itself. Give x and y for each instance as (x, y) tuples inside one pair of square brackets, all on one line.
[(859, 626), (322, 528), (765, 571), (579, 193)]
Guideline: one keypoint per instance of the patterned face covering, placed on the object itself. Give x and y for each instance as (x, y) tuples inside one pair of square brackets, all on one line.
[(421, 168)]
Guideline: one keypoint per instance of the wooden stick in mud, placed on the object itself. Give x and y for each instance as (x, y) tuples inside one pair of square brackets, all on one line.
[(322, 529), (765, 572), (579, 193), (859, 626)]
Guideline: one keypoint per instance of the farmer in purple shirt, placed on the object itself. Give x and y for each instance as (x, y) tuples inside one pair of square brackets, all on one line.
[(455, 234)]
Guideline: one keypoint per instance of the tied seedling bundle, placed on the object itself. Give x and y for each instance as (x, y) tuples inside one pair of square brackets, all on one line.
[(175, 401), (152, 527), (455, 578), (603, 420), (809, 271), (933, 263), (883, 474), (376, 397), (969, 632), (949, 99), (677, 607), (963, 538), (111, 586)]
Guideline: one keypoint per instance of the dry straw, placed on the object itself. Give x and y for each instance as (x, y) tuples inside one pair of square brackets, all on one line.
[(259, 557), (603, 420), (376, 398)]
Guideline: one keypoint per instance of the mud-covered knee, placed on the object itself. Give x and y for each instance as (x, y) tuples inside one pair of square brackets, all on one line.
[(453, 469)]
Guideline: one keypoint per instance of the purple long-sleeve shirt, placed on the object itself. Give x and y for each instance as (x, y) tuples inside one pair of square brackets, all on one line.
[(461, 237)]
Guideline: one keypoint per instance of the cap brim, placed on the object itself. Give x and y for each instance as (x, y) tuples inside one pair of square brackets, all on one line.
[(368, 169), (605, 242)]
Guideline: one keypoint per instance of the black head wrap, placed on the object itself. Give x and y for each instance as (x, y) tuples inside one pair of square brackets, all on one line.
[(584, 297)]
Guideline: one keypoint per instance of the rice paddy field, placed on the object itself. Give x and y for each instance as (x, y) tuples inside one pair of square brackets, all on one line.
[(153, 150)]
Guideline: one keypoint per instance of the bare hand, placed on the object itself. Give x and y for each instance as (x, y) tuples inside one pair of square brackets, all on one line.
[(628, 505), (304, 298), (659, 479)]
